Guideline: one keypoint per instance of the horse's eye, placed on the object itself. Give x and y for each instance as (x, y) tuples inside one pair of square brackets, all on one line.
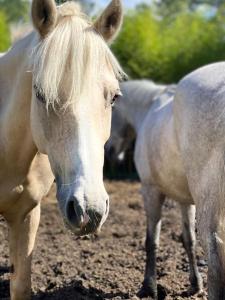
[(117, 95), (39, 94)]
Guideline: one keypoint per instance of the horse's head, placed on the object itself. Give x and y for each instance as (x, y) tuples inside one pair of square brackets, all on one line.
[(122, 132), (121, 138), (75, 82)]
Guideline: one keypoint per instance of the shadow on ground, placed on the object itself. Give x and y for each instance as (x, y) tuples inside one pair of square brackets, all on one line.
[(76, 290), (4, 283)]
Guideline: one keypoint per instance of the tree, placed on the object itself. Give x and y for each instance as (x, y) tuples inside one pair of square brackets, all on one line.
[(165, 51), (215, 3), (15, 10), (171, 8)]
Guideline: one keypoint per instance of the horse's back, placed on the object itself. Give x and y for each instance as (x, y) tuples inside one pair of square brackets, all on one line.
[(208, 78), (140, 91)]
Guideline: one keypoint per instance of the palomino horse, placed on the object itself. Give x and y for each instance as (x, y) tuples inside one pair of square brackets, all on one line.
[(56, 90), (146, 100), (180, 154)]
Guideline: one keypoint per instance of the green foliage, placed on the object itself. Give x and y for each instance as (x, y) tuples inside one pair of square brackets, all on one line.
[(171, 8), (165, 50), (4, 33), (15, 10)]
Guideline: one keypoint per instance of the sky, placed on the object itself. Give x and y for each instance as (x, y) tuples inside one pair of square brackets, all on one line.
[(127, 3), (101, 4)]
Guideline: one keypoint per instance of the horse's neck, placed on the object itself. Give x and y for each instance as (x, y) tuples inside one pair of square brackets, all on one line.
[(16, 144), (138, 108), (137, 116)]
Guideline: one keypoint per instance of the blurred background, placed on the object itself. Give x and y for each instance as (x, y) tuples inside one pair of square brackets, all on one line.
[(161, 40)]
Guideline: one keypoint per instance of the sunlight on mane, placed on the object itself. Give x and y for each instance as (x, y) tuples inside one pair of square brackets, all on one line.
[(72, 55)]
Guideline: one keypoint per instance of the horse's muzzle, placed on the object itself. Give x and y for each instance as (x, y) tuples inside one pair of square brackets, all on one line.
[(84, 212), (84, 221)]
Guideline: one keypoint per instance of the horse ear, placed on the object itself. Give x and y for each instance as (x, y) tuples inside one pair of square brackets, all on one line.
[(44, 16), (109, 23)]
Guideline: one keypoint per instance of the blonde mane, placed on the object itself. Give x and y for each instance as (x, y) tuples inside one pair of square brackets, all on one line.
[(73, 53)]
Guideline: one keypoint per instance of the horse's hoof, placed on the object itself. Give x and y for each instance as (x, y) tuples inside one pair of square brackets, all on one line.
[(193, 290), (147, 293), (196, 287)]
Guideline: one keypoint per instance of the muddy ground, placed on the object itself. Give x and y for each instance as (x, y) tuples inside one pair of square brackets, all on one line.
[(109, 266)]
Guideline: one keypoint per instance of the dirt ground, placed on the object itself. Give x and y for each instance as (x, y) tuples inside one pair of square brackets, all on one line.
[(109, 266)]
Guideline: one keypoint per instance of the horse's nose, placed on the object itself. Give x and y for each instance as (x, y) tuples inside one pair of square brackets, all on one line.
[(75, 214), (85, 221)]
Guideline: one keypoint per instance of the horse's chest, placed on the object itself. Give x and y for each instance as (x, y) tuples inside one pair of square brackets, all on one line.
[(165, 167), (171, 181)]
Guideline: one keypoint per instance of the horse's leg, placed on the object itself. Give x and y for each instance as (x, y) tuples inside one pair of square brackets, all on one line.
[(22, 233), (189, 241), (153, 200), (216, 267), (23, 220), (212, 230)]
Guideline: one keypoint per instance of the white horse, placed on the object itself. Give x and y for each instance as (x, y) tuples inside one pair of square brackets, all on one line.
[(180, 154), (157, 161), (57, 86), (129, 112), (142, 109)]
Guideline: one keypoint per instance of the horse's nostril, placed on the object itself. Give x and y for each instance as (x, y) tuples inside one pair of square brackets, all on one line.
[(75, 213), (83, 221), (95, 219)]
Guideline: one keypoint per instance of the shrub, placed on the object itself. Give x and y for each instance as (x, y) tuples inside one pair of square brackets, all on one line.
[(4, 33), (166, 50)]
